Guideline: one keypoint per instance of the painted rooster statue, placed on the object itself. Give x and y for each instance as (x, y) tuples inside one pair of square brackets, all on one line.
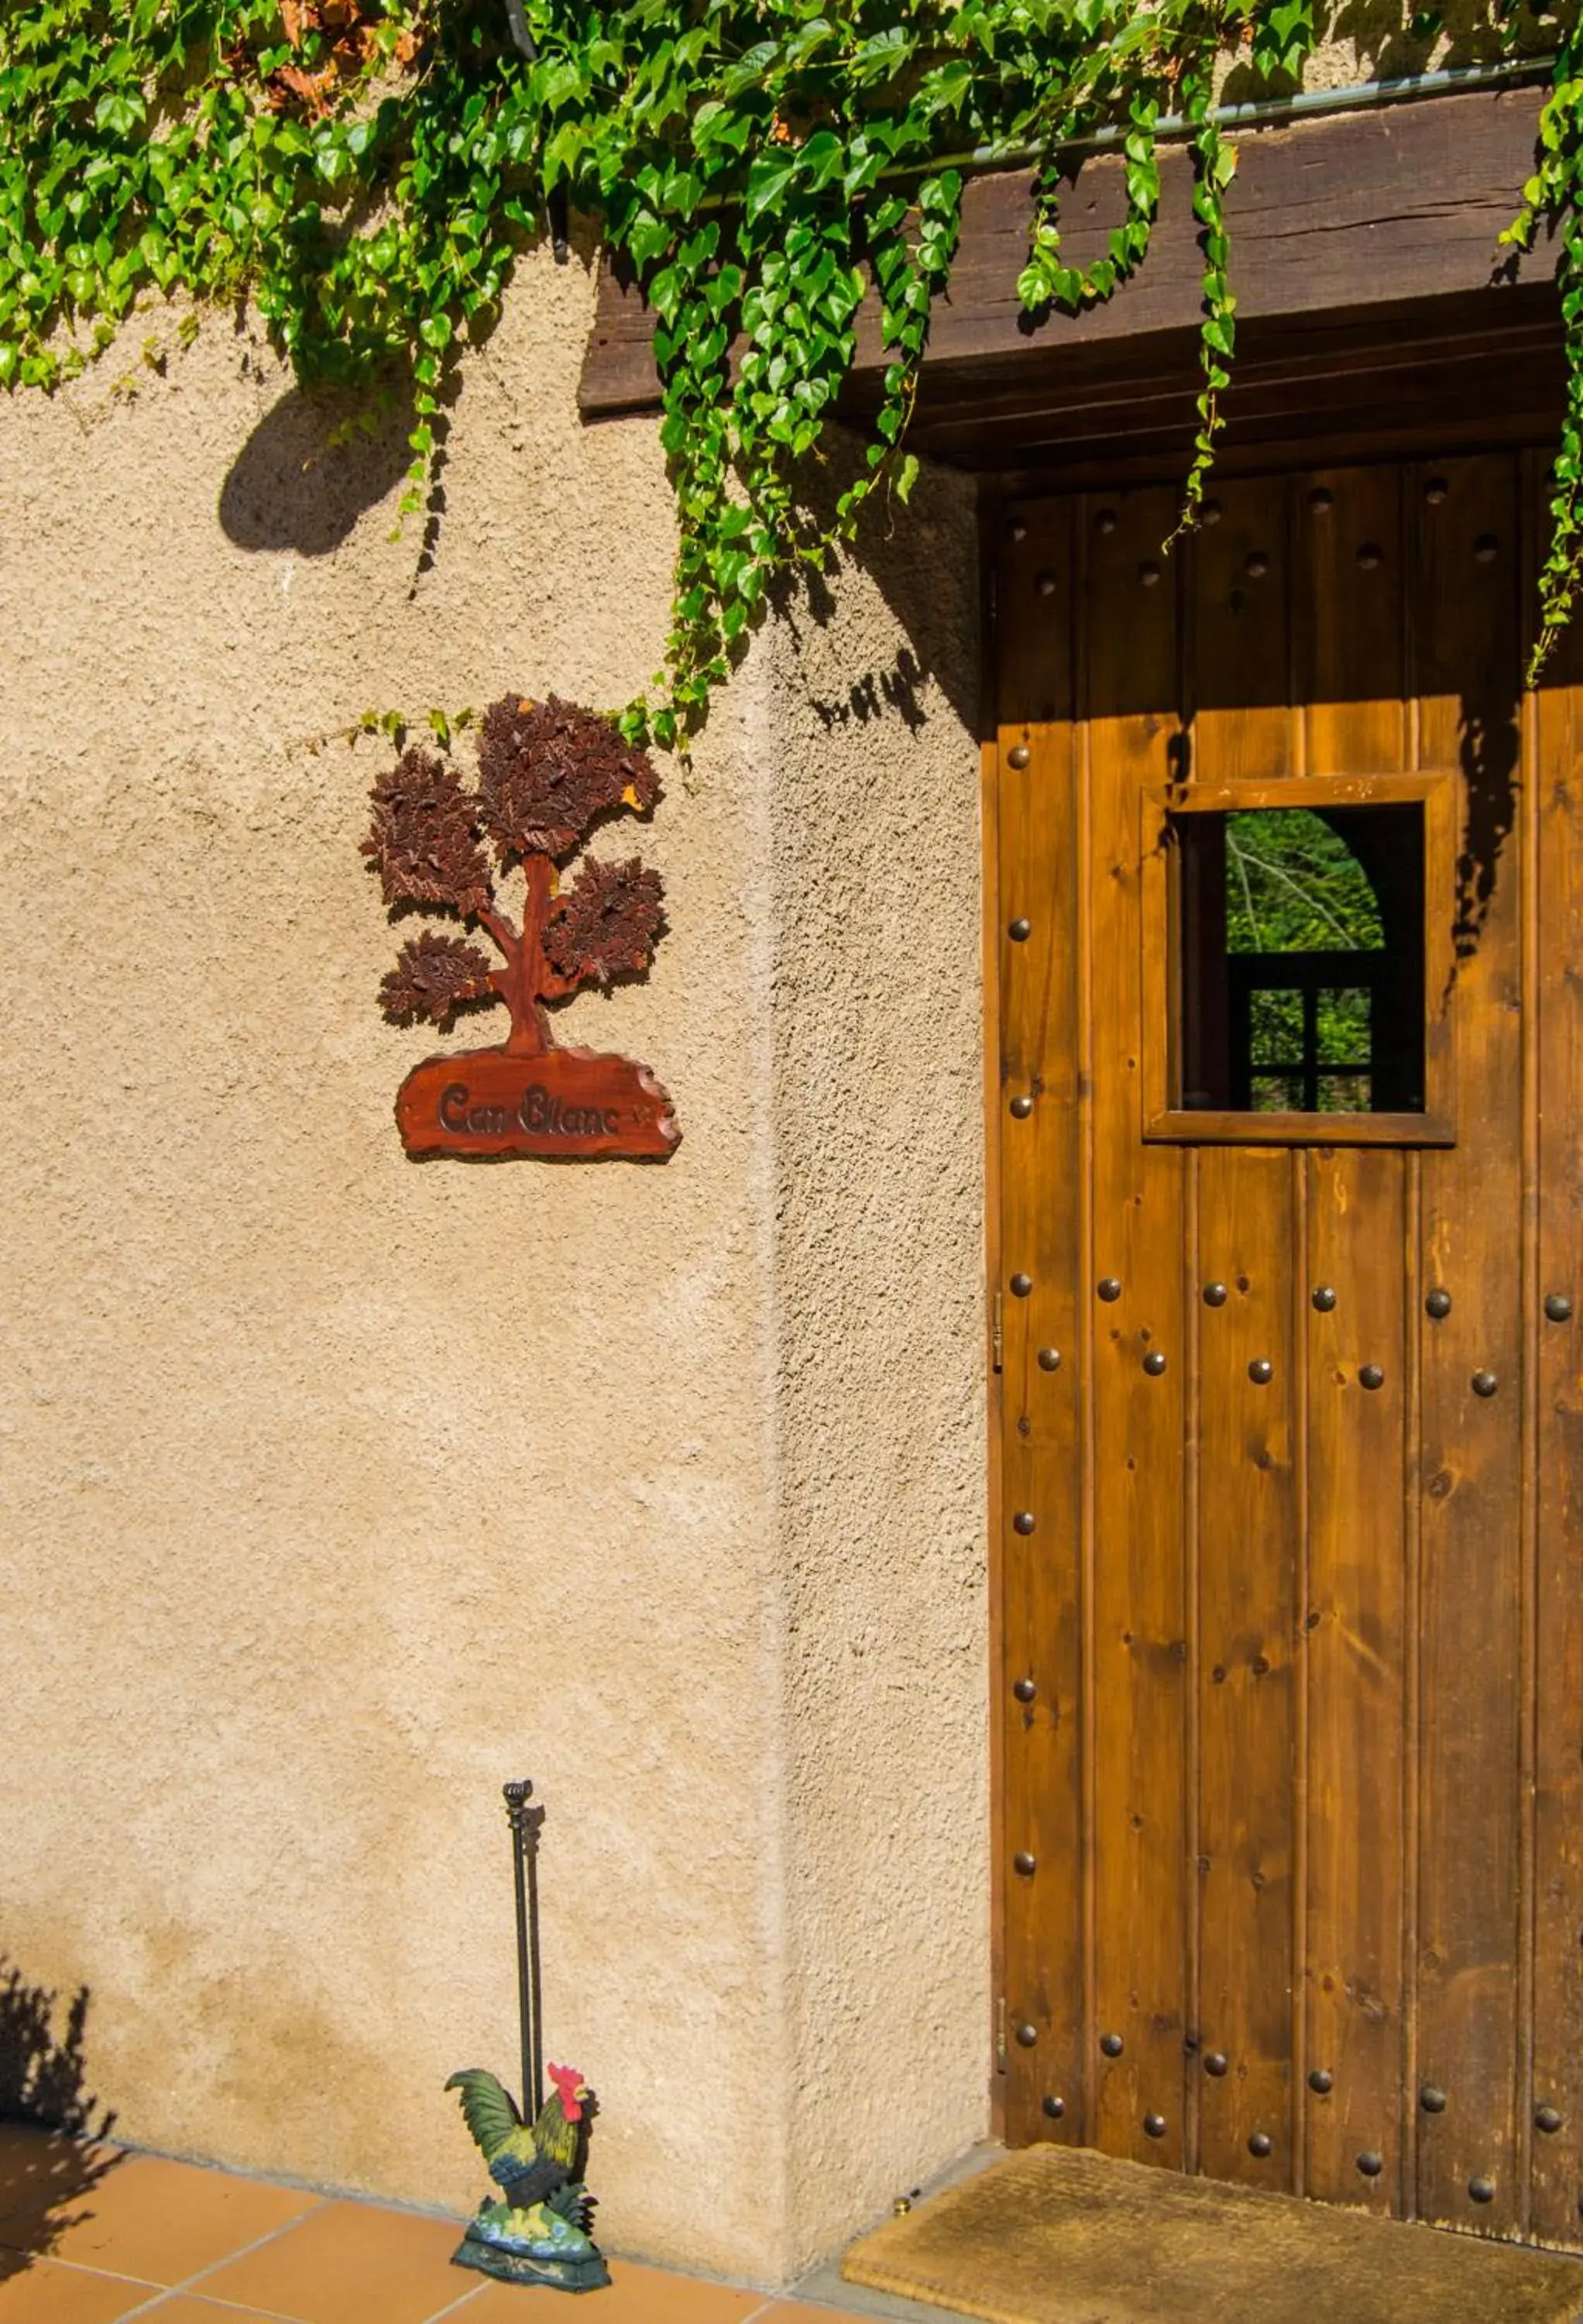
[(538, 2233)]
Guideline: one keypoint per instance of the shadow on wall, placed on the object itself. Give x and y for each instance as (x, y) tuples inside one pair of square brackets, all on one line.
[(899, 688), (43, 2084), (927, 569), (313, 466)]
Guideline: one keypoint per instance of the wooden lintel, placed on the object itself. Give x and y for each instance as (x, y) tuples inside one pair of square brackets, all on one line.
[(1367, 213)]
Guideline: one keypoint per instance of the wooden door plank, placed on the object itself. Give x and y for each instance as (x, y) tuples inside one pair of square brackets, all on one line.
[(1245, 1553), (1135, 1423), (1238, 673), (1351, 628), (1248, 1644), (1347, 545), (1357, 1401), (990, 504), (1557, 2091), (1351, 625), (1466, 597), (1040, 1263)]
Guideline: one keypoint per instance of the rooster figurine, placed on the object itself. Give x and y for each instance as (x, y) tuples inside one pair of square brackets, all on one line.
[(539, 2234)]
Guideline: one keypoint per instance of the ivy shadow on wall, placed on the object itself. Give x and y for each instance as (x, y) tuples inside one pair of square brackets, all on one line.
[(313, 466), (49, 2160), (926, 571)]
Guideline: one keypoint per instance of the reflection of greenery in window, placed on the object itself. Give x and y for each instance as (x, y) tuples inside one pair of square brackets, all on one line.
[(1344, 1093), (1343, 1029), (1277, 1027), (1291, 885)]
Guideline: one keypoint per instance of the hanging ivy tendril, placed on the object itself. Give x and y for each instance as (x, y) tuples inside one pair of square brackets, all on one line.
[(367, 171), (1554, 194)]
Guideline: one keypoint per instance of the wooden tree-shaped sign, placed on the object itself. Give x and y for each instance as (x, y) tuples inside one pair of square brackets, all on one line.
[(547, 773)]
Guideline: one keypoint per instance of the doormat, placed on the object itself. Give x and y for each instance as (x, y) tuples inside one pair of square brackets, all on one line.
[(1061, 2236)]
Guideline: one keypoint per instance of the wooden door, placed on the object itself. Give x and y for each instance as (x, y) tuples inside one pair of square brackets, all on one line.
[(1290, 1545)]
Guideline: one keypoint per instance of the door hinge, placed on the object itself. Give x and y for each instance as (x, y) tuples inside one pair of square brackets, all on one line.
[(994, 594), (1000, 2060), (997, 1332)]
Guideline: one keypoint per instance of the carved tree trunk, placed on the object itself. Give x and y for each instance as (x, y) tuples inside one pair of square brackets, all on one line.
[(529, 979)]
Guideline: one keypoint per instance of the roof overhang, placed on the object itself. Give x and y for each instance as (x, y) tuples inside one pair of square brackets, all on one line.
[(1373, 300)]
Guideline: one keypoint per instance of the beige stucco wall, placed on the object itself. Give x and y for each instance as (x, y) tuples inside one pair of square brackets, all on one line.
[(878, 1070), (1356, 46), (337, 1489)]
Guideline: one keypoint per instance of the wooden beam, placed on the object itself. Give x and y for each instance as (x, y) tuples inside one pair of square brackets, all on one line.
[(1472, 368), (1379, 212)]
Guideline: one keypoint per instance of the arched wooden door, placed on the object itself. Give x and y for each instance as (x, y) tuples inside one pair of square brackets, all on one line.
[(1291, 1556)]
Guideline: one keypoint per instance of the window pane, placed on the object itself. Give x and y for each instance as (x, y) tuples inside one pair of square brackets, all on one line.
[(1277, 1094), (1276, 1019), (1343, 1028), (1294, 885), (1344, 1093)]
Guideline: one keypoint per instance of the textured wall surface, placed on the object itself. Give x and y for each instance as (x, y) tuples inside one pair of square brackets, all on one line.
[(335, 1487), (877, 1075)]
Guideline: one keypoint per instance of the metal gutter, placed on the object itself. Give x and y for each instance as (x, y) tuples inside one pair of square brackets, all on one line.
[(1266, 112)]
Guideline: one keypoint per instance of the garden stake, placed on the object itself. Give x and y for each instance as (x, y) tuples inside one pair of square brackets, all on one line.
[(524, 1823), (537, 2230)]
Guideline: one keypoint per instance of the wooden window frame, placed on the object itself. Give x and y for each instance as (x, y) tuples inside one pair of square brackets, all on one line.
[(1164, 1118)]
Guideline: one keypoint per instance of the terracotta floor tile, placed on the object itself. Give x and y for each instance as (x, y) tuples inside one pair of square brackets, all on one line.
[(637, 2295), (349, 2263), (43, 2293), (799, 2312), (187, 2307), (39, 2167), (156, 2220)]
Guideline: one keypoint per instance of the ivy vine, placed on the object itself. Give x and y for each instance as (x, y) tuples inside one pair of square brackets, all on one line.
[(367, 171), (1554, 195)]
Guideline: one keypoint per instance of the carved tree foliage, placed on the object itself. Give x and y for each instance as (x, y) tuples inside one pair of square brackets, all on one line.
[(548, 772), (434, 975), (424, 837), (606, 924)]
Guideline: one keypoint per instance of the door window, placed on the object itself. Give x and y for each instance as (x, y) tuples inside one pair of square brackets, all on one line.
[(1295, 949), (1301, 977)]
